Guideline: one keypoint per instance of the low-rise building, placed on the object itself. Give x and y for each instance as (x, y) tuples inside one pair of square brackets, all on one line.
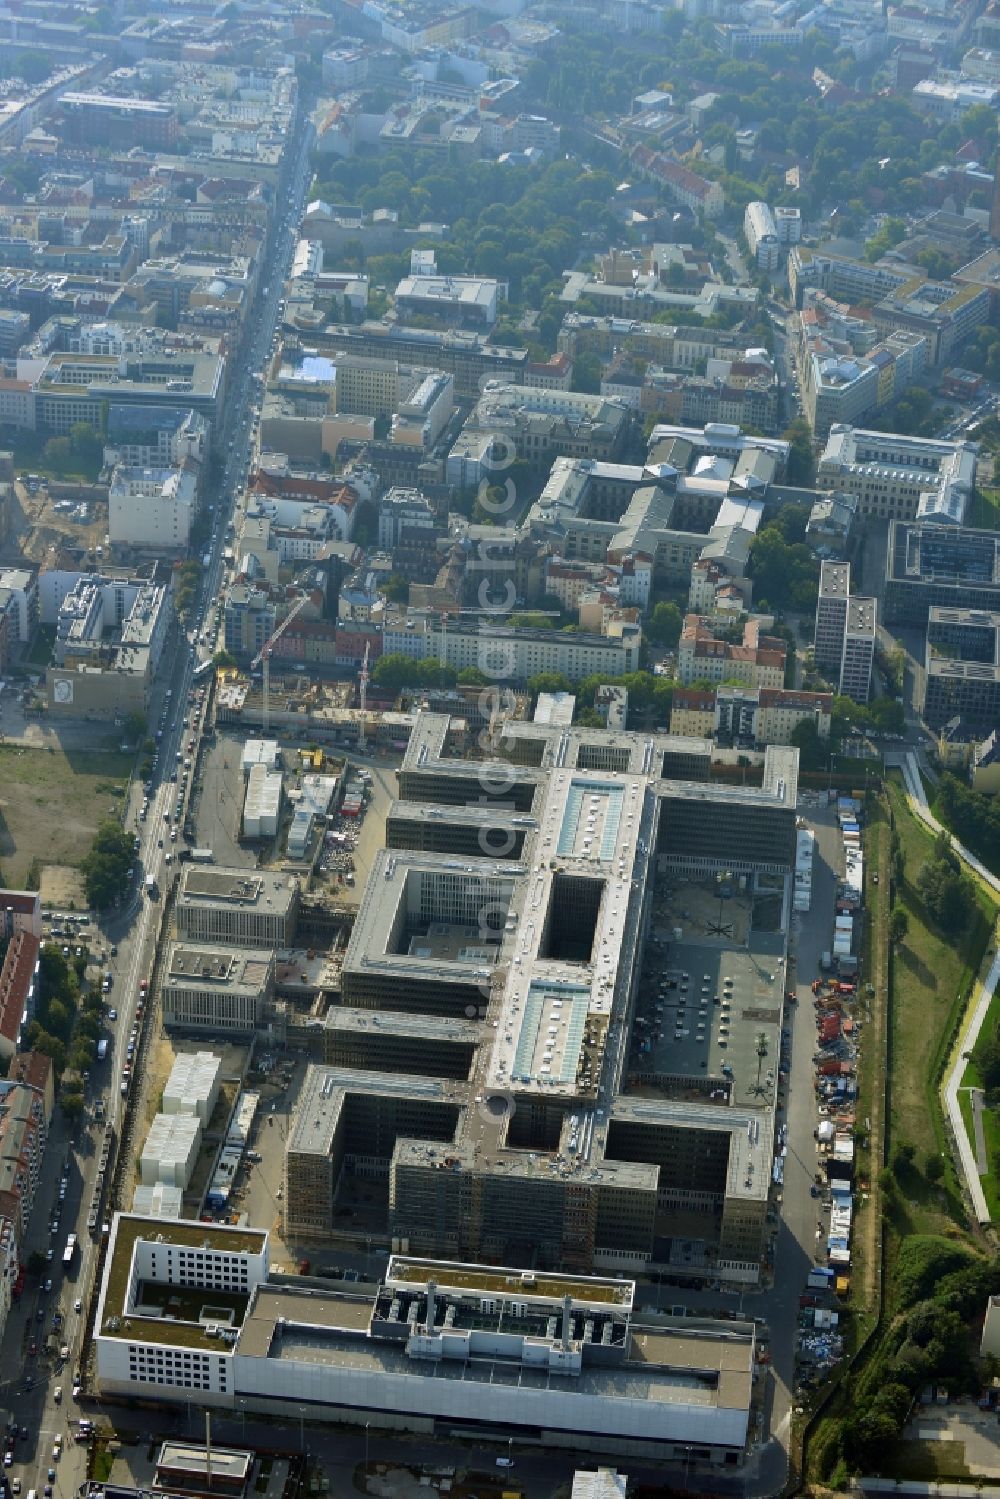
[(207, 987), (609, 1381), (241, 907), (171, 1150), (193, 1085), (460, 301)]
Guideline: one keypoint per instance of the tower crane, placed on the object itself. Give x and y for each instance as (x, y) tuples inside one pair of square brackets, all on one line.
[(264, 656)]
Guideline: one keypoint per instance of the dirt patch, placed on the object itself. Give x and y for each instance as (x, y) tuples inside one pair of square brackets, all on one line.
[(43, 528), (62, 887), (53, 800)]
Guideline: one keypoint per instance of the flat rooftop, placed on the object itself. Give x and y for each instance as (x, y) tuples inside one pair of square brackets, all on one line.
[(585, 1290), (236, 887), (321, 1097), (243, 969), (707, 1370), (176, 1323)]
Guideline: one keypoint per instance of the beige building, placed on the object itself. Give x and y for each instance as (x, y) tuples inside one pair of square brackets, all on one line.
[(692, 712), (758, 660)]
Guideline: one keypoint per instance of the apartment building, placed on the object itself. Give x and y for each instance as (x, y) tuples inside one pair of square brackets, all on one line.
[(762, 236), (208, 987), (152, 508), (249, 618), (25, 1114), (846, 632), (750, 716), (899, 478), (513, 653), (18, 990), (757, 659), (240, 908), (20, 911)]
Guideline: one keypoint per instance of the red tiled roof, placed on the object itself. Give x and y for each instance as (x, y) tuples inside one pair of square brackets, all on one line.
[(15, 981)]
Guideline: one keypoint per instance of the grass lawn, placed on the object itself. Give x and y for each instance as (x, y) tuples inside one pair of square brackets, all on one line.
[(102, 1464), (930, 1460), (984, 512), (972, 1078), (51, 802), (931, 979)]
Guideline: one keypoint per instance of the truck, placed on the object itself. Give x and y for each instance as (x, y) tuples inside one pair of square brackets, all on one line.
[(102, 1049), (151, 886), (70, 1250)]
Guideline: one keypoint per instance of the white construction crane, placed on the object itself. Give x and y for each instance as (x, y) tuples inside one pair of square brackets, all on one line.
[(363, 695), (264, 656)]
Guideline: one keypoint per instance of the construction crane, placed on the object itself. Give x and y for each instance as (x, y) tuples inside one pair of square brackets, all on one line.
[(363, 695), (263, 656)]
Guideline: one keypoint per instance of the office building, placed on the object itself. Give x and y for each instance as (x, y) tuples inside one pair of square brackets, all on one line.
[(460, 352), (845, 632), (516, 961), (563, 1360), (239, 907), (19, 586), (207, 987), (929, 564), (831, 615), (461, 301), (961, 676), (541, 424), (860, 635), (899, 478)]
